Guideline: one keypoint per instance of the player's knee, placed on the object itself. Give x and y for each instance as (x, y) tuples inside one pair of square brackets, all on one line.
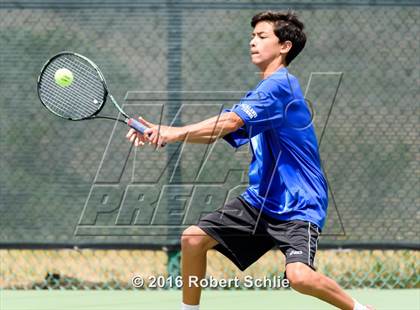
[(193, 239), (299, 278)]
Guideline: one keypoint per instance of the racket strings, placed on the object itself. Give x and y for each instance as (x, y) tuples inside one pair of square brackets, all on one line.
[(82, 98), (68, 102), (88, 75), (56, 102), (60, 102)]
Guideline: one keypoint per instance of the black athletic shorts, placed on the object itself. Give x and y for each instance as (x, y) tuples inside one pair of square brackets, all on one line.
[(243, 238)]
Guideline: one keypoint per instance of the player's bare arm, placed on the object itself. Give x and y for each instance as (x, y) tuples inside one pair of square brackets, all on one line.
[(205, 132)]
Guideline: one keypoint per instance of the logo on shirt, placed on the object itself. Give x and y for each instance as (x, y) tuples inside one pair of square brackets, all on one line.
[(295, 253), (249, 110)]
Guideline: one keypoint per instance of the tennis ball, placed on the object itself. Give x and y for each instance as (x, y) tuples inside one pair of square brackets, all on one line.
[(63, 77)]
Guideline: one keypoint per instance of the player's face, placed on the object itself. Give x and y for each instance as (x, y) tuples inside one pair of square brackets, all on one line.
[(265, 47)]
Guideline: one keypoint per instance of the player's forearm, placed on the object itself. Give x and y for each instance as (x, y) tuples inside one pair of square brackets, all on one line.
[(200, 140), (211, 129)]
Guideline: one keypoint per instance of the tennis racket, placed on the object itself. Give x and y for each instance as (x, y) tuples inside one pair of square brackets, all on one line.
[(81, 92)]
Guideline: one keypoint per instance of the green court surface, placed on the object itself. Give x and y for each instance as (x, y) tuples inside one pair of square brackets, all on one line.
[(211, 300)]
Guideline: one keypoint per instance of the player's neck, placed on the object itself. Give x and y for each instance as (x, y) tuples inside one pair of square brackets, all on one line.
[(271, 68)]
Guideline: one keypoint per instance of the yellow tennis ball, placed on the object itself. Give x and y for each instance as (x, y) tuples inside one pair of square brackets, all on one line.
[(63, 77)]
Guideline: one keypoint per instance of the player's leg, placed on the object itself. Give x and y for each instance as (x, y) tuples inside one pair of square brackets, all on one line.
[(194, 246), (231, 230), (299, 242), (307, 281)]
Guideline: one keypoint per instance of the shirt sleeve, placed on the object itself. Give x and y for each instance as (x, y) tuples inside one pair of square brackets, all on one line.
[(259, 111), (238, 137)]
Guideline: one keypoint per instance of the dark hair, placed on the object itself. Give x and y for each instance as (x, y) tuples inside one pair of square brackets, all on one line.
[(287, 27)]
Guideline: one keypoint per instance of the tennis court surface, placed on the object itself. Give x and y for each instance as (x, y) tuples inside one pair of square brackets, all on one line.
[(215, 300)]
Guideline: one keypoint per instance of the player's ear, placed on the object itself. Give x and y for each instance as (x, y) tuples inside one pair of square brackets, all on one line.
[(285, 46)]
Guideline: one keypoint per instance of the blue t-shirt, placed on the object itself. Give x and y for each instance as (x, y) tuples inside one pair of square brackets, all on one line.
[(285, 174)]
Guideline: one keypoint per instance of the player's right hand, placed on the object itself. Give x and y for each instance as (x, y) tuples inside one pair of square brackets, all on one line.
[(137, 138)]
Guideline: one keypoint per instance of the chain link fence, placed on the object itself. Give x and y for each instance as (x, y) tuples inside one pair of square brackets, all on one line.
[(77, 269), (65, 184)]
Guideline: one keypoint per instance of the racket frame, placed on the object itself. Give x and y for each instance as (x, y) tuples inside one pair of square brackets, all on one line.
[(133, 123), (98, 71)]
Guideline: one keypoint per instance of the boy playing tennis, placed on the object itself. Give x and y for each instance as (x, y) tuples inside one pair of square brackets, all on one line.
[(286, 202)]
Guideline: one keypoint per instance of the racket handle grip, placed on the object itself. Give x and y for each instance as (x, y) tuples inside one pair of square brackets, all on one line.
[(136, 125)]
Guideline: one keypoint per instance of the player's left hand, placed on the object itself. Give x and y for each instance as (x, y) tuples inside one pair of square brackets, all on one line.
[(162, 135)]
